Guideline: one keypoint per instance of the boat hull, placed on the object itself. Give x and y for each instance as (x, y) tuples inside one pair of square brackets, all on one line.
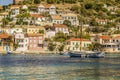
[(88, 55)]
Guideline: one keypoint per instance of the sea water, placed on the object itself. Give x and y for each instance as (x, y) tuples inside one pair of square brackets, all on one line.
[(37, 67)]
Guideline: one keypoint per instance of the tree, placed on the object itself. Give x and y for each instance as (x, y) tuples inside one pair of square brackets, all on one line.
[(51, 46), (60, 37), (93, 23), (37, 1), (51, 1), (61, 48), (97, 46), (41, 31), (88, 6), (21, 18), (75, 8), (5, 21), (67, 22)]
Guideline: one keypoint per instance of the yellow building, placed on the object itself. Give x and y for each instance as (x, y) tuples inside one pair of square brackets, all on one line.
[(34, 29), (75, 44), (6, 42)]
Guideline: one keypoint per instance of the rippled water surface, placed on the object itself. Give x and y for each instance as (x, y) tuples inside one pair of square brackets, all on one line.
[(36, 67)]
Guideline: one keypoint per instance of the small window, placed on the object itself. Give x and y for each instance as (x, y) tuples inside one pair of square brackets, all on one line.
[(73, 43)]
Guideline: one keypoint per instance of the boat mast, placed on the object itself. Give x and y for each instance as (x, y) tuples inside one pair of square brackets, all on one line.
[(80, 30), (81, 36)]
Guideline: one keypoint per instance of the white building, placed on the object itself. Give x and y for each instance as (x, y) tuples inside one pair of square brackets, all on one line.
[(61, 28), (37, 19), (24, 7), (15, 10), (22, 41), (15, 30), (71, 17), (50, 33), (56, 19), (51, 9)]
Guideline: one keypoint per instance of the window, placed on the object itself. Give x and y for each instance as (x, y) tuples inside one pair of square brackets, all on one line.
[(73, 43), (40, 41), (73, 48), (30, 41), (34, 41), (117, 41), (30, 46), (35, 45), (40, 37)]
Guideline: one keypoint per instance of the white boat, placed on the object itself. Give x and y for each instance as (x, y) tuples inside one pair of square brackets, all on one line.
[(87, 54)]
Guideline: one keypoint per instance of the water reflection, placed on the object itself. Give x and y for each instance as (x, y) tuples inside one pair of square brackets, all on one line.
[(21, 67)]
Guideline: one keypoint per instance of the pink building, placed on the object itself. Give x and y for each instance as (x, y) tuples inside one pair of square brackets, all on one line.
[(35, 42)]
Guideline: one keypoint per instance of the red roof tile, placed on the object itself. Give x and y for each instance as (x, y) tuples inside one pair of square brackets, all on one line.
[(117, 37), (34, 35), (105, 37), (4, 36), (36, 15), (60, 25), (78, 39), (1, 7)]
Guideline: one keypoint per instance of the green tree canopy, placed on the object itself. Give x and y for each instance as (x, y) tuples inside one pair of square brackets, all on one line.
[(51, 46), (60, 37), (67, 22)]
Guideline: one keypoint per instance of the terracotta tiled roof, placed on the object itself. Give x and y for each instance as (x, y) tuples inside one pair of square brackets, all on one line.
[(1, 7), (78, 39), (34, 35), (101, 20), (105, 37), (56, 17), (69, 14), (45, 5), (4, 36), (4, 13), (15, 6), (117, 37), (60, 25), (36, 15)]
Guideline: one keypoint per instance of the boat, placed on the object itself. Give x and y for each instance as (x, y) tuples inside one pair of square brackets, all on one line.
[(9, 52), (87, 55)]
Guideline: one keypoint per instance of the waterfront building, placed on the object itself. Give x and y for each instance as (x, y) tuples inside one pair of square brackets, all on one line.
[(6, 42), (35, 42), (73, 44), (49, 31), (48, 8), (21, 42), (110, 43), (61, 28), (105, 39)]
